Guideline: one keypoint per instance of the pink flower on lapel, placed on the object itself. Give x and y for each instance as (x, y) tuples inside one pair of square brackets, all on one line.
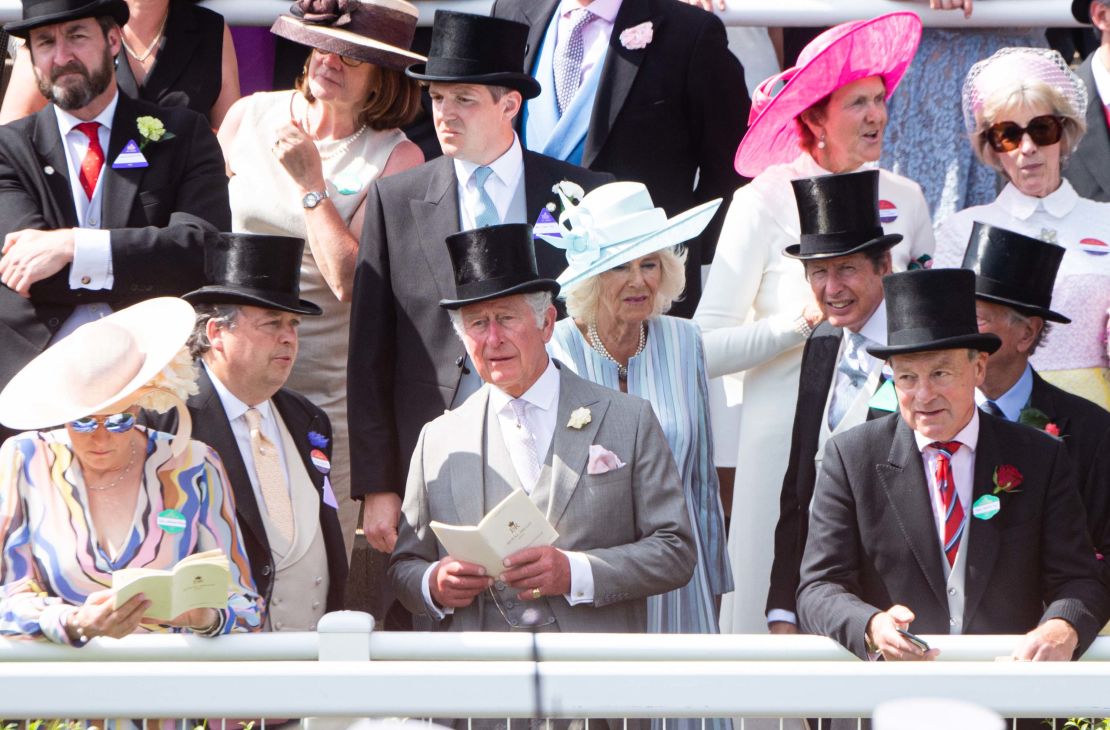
[(638, 36)]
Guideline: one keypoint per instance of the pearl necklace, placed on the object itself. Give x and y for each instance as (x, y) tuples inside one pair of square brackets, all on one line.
[(342, 148), (599, 347), (122, 474)]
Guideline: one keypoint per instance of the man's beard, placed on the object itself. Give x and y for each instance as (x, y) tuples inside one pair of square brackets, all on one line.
[(77, 93)]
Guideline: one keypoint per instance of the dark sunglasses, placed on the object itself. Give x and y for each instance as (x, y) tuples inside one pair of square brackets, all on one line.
[(1006, 136), (115, 423), (347, 60)]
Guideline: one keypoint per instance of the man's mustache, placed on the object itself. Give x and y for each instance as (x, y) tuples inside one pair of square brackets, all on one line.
[(71, 67)]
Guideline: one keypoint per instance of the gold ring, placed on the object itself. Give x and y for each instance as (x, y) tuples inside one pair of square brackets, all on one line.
[(536, 594)]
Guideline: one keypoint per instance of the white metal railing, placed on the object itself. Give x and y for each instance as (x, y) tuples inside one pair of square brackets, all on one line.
[(348, 670), (988, 13)]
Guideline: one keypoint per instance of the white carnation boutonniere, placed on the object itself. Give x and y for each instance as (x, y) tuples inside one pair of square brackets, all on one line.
[(638, 36), (151, 129), (579, 417)]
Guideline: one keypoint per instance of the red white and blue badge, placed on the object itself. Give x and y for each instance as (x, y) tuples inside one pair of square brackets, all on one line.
[(320, 461), (888, 212), (1094, 246)]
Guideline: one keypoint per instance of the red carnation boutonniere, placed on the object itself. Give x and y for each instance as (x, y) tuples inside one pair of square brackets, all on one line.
[(1007, 478), (1052, 429)]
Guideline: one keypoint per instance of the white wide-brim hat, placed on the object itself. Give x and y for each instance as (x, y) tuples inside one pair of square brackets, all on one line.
[(100, 364), (617, 223)]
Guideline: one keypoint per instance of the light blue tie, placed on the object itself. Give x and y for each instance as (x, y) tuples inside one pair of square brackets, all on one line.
[(855, 366), (485, 213)]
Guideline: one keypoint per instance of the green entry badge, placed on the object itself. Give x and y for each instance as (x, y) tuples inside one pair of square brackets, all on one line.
[(171, 521), (986, 507), (885, 398)]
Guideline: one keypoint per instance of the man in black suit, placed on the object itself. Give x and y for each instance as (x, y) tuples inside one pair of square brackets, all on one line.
[(1013, 289), (406, 365), (644, 89), (98, 211), (944, 519), (846, 256), (1088, 169), (275, 444)]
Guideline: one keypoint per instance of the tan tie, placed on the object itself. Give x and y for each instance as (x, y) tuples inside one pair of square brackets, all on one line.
[(271, 476)]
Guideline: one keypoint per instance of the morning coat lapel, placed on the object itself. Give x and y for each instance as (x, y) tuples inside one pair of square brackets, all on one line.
[(211, 420), (617, 75), (467, 457), (122, 184), (436, 217), (907, 491), (539, 15), (47, 142), (1096, 153), (1044, 400), (299, 423), (983, 535), (571, 446)]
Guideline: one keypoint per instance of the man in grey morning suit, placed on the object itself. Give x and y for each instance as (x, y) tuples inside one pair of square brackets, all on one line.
[(603, 476)]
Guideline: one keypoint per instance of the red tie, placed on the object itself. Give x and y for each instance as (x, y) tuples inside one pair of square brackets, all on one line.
[(94, 157), (953, 510)]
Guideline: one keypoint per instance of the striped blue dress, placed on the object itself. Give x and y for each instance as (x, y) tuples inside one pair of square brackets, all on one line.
[(670, 374)]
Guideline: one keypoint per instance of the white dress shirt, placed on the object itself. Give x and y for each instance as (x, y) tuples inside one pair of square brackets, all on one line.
[(236, 411), (963, 472), (501, 186), (595, 35), (92, 251), (543, 402)]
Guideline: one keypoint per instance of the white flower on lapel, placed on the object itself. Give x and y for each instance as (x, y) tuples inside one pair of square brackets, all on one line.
[(579, 417), (638, 36)]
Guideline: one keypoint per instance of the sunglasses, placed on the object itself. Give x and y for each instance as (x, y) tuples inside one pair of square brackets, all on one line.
[(1006, 136), (115, 423), (347, 60)]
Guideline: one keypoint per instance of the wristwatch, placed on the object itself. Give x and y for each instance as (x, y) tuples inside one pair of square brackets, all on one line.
[(311, 200)]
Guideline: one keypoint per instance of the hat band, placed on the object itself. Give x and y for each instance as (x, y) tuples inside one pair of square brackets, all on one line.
[(485, 287), (51, 7), (840, 241), (1005, 290), (385, 25), (461, 67), (924, 335)]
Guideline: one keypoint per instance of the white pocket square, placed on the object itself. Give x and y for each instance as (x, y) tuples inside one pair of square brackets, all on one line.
[(602, 460)]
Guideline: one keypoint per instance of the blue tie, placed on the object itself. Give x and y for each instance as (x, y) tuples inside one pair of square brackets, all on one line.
[(485, 213)]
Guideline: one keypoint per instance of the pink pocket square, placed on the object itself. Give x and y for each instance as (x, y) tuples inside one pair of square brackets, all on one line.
[(602, 460)]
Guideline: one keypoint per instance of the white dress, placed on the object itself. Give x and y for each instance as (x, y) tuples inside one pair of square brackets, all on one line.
[(747, 312)]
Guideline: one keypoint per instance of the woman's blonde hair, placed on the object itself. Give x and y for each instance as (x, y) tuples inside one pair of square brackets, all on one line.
[(584, 298), (1018, 93)]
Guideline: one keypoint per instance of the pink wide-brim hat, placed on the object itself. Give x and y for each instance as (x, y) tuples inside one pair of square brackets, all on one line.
[(882, 46)]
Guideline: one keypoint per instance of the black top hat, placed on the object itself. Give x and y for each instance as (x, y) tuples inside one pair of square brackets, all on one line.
[(493, 262), (931, 309), (47, 12), (475, 49), (245, 268), (1081, 10), (839, 216), (1014, 270)]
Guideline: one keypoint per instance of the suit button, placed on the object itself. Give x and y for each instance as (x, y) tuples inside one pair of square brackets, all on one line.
[(53, 322), (277, 625), (951, 591), (266, 570), (86, 280), (498, 585), (510, 604), (319, 580), (277, 601), (953, 621), (315, 604), (459, 361)]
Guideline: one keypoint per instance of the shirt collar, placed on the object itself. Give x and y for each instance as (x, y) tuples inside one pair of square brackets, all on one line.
[(604, 9), (874, 329), (968, 435), (543, 394), (1014, 400), (507, 168), (66, 121), (233, 407), (1057, 204)]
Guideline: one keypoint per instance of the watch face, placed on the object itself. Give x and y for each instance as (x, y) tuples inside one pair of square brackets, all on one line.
[(311, 200)]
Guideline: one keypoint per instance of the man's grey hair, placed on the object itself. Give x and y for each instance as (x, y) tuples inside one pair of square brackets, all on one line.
[(1018, 318), (224, 315), (538, 301)]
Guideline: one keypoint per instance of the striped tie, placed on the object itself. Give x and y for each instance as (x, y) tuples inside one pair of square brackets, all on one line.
[(953, 510)]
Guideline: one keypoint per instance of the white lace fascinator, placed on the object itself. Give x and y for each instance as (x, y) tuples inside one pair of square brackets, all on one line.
[(1027, 65)]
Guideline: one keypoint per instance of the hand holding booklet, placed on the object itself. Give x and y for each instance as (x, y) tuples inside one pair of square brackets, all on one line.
[(514, 524), (200, 580)]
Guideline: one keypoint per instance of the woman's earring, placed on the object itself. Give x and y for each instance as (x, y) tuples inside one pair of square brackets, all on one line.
[(821, 142)]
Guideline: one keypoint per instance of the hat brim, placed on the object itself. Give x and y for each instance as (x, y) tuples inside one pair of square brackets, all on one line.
[(681, 228), (525, 288), (117, 9), (229, 295), (160, 327), (345, 43), (528, 87), (888, 241), (883, 46), (1081, 11), (982, 341), (1027, 309)]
